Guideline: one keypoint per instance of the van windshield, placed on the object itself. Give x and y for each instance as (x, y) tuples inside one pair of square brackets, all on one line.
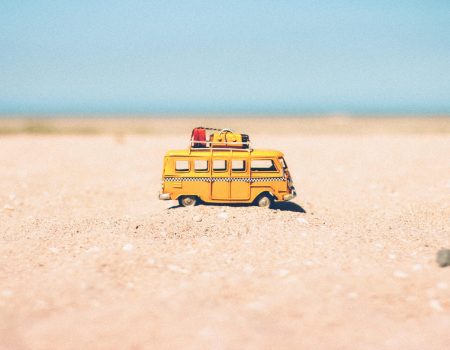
[(283, 162)]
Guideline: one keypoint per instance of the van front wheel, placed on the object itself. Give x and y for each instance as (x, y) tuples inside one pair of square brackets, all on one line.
[(264, 201), (187, 201)]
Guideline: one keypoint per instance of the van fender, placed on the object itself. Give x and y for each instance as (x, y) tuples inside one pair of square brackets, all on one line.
[(266, 190), (275, 198), (177, 197)]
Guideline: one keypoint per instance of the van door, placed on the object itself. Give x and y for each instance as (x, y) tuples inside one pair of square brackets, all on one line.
[(265, 174), (220, 179), (240, 179)]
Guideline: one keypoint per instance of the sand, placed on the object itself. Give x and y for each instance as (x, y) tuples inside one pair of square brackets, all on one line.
[(91, 259)]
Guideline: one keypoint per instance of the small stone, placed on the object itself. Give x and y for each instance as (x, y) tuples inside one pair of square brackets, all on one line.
[(197, 218), (40, 305), (128, 247), (256, 305), (436, 305), (7, 293), (175, 268), (223, 215), (12, 196), (93, 249), (417, 267), (442, 285), (282, 272), (352, 295), (302, 220), (248, 269), (8, 207), (443, 257), (206, 274), (400, 274)]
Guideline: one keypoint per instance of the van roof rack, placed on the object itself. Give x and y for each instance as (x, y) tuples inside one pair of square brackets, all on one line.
[(209, 146), (197, 144)]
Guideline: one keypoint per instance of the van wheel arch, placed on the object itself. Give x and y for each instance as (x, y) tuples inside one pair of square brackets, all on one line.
[(264, 199), (188, 200)]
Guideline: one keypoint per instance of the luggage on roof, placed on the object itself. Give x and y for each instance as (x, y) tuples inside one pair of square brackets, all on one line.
[(228, 139), (198, 137), (219, 138)]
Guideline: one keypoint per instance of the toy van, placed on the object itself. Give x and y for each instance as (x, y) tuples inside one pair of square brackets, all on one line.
[(225, 169)]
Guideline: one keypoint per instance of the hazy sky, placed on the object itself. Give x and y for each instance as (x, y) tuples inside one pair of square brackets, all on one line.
[(254, 56)]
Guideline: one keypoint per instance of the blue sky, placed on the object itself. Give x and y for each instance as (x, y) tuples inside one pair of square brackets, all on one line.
[(224, 56)]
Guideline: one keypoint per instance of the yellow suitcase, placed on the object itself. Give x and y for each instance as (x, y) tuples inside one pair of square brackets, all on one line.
[(228, 139)]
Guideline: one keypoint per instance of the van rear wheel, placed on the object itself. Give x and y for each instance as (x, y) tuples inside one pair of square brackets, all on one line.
[(187, 201), (264, 201)]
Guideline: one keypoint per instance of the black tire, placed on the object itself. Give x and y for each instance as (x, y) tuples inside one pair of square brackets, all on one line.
[(264, 200), (188, 201)]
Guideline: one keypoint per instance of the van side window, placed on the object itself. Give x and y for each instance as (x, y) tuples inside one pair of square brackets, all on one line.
[(182, 165), (238, 165), (201, 165), (263, 165), (219, 165)]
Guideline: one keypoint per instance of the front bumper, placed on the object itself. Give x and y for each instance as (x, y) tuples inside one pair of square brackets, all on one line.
[(164, 196), (289, 196)]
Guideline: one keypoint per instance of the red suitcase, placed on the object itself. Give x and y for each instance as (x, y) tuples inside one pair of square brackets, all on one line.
[(199, 135)]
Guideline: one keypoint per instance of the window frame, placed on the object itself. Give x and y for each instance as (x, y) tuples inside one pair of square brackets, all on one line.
[(265, 171), (283, 163), (239, 171), (203, 170), (182, 160), (221, 170)]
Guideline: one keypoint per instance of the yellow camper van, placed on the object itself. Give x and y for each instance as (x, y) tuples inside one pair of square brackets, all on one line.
[(225, 169)]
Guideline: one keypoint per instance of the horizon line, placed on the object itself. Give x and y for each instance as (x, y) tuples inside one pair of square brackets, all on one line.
[(215, 111)]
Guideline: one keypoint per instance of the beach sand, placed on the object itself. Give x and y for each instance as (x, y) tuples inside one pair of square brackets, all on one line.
[(91, 259)]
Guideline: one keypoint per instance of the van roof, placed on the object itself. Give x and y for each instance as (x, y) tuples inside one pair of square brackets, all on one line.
[(236, 153)]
